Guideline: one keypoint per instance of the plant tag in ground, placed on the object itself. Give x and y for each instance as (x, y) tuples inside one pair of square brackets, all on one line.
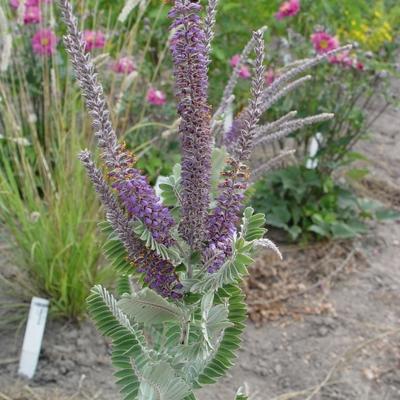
[(312, 162), (33, 337)]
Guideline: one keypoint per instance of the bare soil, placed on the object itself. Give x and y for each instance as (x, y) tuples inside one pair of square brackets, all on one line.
[(332, 334)]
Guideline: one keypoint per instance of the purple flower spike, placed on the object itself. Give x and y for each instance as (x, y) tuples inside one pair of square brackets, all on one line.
[(189, 53), (159, 274), (140, 200), (232, 135), (222, 223)]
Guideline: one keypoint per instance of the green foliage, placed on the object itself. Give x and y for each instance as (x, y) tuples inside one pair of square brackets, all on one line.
[(148, 307), (170, 190), (142, 373), (115, 251), (166, 348), (240, 395), (123, 285), (47, 210), (166, 253), (307, 204)]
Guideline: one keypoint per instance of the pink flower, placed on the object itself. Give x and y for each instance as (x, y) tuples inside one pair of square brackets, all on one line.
[(244, 72), (343, 59), (156, 97), (359, 65), (288, 9), (44, 42), (346, 60), (32, 15), (235, 60), (125, 65), (323, 42), (94, 39), (28, 3), (270, 76)]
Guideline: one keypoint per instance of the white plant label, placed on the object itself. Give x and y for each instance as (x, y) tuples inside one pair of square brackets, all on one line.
[(33, 337), (312, 162), (228, 120)]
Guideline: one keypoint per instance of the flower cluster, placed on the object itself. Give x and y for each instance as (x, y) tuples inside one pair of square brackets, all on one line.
[(323, 42), (156, 97), (159, 274), (222, 223), (289, 8), (44, 42), (190, 56), (136, 199), (32, 10), (139, 198), (205, 230), (94, 39), (124, 65), (244, 71)]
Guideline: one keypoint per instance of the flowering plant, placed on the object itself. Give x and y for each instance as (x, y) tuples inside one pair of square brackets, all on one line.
[(38, 104), (189, 250)]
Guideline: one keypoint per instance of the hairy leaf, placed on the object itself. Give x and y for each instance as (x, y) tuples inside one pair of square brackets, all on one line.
[(166, 253), (150, 308), (160, 382)]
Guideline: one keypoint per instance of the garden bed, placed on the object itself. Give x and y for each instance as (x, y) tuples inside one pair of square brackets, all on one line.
[(326, 320), (344, 335)]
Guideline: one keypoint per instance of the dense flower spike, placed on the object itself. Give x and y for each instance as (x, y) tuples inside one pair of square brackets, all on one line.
[(92, 90), (230, 87), (130, 184), (141, 201), (253, 112), (209, 24), (223, 221), (190, 69), (159, 274), (278, 88)]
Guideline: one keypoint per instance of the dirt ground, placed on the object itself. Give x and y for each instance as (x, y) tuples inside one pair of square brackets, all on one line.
[(333, 337)]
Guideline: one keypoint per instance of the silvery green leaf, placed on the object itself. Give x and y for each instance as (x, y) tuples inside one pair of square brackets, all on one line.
[(241, 394), (217, 320), (206, 304), (160, 382), (219, 156), (252, 226), (230, 272), (166, 253), (268, 244), (149, 307)]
